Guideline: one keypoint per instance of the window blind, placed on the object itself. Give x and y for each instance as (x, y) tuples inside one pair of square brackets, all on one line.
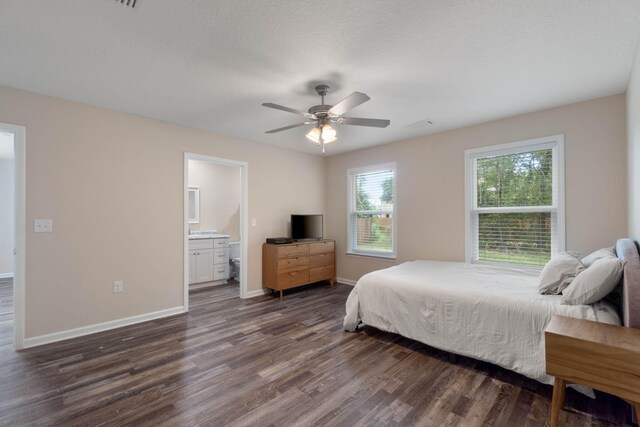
[(514, 215), (371, 213)]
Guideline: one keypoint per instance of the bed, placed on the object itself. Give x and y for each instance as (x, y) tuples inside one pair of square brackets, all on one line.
[(494, 314)]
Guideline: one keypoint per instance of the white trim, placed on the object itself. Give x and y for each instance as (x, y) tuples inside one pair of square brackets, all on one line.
[(559, 173), (516, 209), (394, 214), (256, 293), (6, 275), (371, 254), (100, 327), (19, 148), (554, 142), (244, 219), (468, 188), (346, 281), (196, 206), (542, 143)]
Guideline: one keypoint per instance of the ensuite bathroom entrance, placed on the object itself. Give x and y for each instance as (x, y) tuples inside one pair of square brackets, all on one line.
[(214, 205), (7, 211)]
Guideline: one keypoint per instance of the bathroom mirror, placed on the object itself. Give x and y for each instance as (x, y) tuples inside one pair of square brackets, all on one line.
[(194, 205)]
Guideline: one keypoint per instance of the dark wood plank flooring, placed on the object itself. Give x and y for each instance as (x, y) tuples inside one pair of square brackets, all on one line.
[(263, 362), (6, 313), (229, 290)]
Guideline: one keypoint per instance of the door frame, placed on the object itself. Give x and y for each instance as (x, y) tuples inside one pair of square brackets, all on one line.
[(244, 224), (19, 160)]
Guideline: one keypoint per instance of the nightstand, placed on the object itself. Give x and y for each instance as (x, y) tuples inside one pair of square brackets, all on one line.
[(598, 355)]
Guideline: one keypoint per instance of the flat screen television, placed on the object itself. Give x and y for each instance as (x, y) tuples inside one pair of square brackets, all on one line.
[(306, 227)]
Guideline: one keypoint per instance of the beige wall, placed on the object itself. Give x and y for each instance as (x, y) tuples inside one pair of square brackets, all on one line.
[(220, 192), (633, 147), (431, 190), (6, 216), (113, 185)]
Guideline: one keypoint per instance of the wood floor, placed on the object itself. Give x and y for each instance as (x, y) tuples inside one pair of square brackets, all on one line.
[(6, 313), (263, 362)]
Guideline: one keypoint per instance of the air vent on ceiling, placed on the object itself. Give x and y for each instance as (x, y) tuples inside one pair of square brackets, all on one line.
[(131, 3), (425, 122)]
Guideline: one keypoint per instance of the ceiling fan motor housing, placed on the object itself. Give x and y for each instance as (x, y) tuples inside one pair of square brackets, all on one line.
[(320, 110), (322, 90)]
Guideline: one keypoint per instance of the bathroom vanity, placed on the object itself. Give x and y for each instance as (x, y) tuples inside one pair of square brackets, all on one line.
[(208, 258)]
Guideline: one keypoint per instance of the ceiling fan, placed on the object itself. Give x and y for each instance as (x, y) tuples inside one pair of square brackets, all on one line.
[(321, 116)]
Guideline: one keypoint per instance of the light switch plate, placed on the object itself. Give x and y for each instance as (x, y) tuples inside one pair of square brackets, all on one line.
[(43, 225), (253, 222), (117, 286)]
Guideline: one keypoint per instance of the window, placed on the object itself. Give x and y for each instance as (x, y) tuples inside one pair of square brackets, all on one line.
[(371, 223), (515, 202)]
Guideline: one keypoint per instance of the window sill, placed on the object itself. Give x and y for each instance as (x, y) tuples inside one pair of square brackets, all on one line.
[(389, 257), (530, 268)]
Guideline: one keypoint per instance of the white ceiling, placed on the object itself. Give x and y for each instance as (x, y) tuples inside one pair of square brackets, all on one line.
[(210, 64)]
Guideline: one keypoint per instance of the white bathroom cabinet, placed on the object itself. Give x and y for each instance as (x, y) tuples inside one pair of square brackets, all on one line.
[(200, 266), (209, 260)]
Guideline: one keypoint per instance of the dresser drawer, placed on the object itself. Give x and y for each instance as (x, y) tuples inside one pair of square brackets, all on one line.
[(321, 247), (321, 260), (321, 273), (290, 251), (293, 278), (220, 272), (200, 244), (221, 243), (293, 264), (221, 256)]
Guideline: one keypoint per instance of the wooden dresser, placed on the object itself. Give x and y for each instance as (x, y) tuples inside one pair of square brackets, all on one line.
[(297, 264)]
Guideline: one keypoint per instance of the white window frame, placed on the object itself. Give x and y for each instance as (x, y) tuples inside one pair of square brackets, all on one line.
[(556, 143), (351, 211)]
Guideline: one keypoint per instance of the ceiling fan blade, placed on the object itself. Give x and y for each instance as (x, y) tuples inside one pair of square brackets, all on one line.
[(357, 121), (288, 127), (287, 109), (350, 102)]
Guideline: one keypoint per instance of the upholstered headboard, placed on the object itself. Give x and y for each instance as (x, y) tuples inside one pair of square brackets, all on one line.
[(627, 251)]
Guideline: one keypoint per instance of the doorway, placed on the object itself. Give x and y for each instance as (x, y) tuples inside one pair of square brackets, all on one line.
[(12, 235), (215, 226)]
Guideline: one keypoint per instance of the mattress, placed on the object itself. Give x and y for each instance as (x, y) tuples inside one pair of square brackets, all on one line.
[(494, 314)]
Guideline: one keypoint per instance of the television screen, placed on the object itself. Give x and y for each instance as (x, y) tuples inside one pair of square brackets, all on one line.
[(306, 227)]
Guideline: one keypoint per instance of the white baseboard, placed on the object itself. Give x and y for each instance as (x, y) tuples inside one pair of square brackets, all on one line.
[(6, 275), (100, 327), (346, 281), (256, 293)]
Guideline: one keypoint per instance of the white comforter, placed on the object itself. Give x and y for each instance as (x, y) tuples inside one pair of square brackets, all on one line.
[(489, 313)]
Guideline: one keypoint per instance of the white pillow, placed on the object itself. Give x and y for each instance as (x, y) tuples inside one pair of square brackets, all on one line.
[(558, 273), (594, 283), (599, 254)]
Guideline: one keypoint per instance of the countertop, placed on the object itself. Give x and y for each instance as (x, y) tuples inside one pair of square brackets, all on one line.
[(208, 236)]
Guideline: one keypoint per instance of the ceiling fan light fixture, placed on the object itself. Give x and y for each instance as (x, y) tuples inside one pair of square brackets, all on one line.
[(328, 140), (328, 134), (314, 134)]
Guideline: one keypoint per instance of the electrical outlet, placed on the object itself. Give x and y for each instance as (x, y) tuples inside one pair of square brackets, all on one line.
[(117, 286), (43, 225)]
